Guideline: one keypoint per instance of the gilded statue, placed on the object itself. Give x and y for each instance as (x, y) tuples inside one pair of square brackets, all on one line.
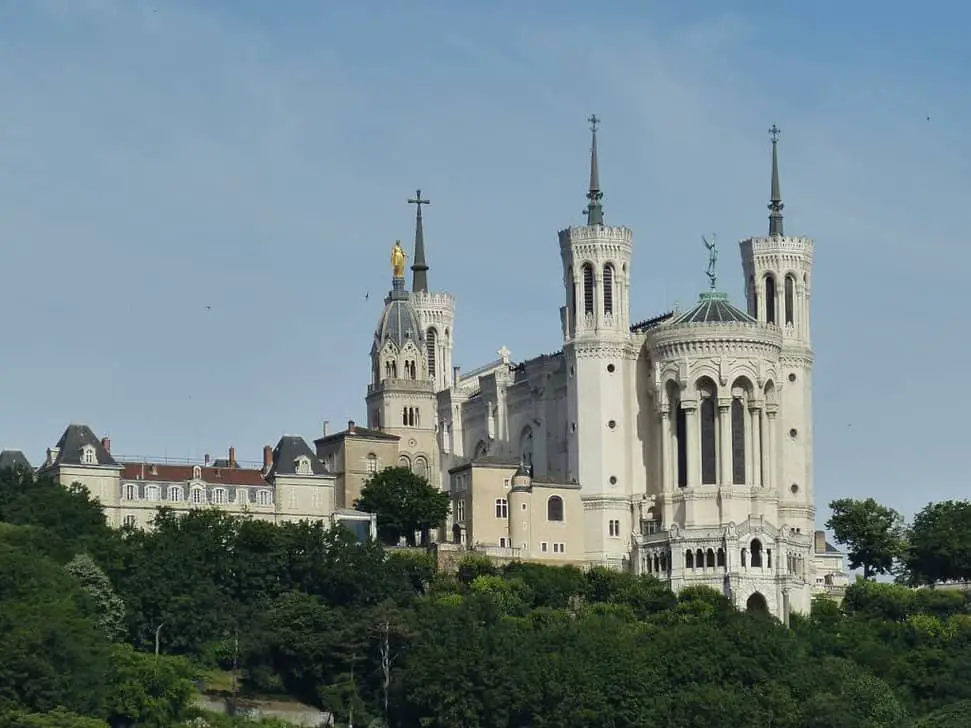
[(398, 257)]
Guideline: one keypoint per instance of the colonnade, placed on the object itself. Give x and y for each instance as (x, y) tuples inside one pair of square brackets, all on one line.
[(740, 435)]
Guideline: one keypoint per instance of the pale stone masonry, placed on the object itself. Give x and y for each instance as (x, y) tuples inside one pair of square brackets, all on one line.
[(680, 446)]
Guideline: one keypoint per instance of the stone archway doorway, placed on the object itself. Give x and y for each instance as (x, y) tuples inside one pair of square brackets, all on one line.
[(756, 604)]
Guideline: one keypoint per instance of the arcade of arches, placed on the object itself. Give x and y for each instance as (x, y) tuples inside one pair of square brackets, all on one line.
[(718, 436)]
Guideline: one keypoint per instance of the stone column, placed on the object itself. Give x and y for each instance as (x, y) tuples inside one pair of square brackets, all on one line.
[(755, 448), (725, 440), (668, 466), (765, 449), (772, 457), (692, 441)]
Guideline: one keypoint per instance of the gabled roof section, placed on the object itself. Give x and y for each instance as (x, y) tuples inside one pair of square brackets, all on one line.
[(714, 308), (75, 438), (365, 433), (13, 459), (288, 451)]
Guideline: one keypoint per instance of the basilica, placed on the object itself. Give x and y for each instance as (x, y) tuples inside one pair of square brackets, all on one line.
[(679, 446)]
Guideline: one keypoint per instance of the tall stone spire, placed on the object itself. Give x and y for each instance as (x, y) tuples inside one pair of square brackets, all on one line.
[(595, 210), (775, 202), (419, 268)]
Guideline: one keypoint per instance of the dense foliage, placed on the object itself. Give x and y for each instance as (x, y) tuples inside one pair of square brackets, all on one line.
[(304, 611)]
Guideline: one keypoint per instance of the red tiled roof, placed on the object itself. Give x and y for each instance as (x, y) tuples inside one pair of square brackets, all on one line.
[(179, 473)]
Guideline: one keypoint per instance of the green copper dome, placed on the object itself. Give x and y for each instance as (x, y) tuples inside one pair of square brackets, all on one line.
[(714, 308)]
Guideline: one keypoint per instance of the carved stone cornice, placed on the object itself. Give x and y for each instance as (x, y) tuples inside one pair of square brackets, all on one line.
[(620, 349)]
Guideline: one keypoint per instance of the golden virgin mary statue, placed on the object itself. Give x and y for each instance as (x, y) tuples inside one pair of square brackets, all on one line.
[(398, 257)]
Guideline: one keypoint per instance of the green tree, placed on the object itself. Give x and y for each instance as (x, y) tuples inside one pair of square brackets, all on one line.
[(58, 718), (51, 654), (72, 519), (939, 543), (108, 609), (405, 504), (147, 691), (872, 533)]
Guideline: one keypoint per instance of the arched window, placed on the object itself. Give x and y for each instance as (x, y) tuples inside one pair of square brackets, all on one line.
[(681, 435), (175, 493), (587, 288), (404, 462), (608, 289), (573, 300), (421, 467), (372, 463), (789, 296), (753, 308), (738, 442), (131, 491), (709, 461), (152, 493), (431, 342), (198, 495), (689, 559), (219, 496), (710, 558), (770, 299), (554, 508), (756, 553), (720, 557)]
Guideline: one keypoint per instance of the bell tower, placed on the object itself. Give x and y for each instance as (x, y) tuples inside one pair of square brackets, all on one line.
[(778, 275), (600, 358), (401, 398)]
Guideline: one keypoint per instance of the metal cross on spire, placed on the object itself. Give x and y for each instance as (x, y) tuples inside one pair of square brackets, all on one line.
[(594, 123), (775, 195), (417, 200), (419, 268)]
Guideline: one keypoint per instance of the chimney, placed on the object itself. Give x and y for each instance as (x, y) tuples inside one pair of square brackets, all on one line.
[(106, 444), (267, 458), (350, 427), (205, 460), (326, 427), (820, 542), (232, 457)]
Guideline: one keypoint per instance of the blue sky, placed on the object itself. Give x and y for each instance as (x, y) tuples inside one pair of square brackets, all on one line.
[(160, 157)]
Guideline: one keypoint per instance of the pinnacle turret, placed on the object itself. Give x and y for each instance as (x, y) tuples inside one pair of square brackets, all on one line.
[(419, 268), (594, 211), (775, 201)]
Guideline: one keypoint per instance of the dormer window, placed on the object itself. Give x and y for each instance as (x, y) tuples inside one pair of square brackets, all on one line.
[(301, 466), (88, 455), (196, 472)]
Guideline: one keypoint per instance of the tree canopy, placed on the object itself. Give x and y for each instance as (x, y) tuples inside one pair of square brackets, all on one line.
[(304, 611), (872, 533), (405, 504)]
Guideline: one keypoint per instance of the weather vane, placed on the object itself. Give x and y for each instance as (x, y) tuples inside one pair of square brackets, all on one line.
[(712, 272)]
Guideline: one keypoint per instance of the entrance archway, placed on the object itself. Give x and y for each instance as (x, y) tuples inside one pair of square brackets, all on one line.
[(757, 604)]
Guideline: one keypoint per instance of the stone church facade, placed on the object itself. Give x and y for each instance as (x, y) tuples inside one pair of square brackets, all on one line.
[(679, 446)]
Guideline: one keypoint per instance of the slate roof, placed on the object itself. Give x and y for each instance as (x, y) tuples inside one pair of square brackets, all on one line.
[(286, 453), (642, 326), (353, 430), (399, 322), (10, 459), (714, 308), (157, 472), (75, 437)]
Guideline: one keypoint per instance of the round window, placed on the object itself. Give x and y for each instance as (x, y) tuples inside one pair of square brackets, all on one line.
[(611, 368), (612, 424)]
